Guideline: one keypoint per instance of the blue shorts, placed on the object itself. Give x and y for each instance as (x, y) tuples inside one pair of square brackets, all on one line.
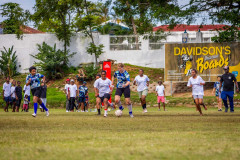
[(81, 99), (226, 94), (29, 98), (8, 99)]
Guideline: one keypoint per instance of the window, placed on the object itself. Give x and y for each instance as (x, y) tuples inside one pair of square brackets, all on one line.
[(155, 43), (206, 40), (125, 43)]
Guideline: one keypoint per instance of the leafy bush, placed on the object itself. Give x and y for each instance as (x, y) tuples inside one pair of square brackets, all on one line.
[(91, 71), (8, 61), (51, 61)]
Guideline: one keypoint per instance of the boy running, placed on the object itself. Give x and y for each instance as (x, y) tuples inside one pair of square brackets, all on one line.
[(142, 81), (33, 79), (123, 87), (103, 91), (160, 92), (7, 93)]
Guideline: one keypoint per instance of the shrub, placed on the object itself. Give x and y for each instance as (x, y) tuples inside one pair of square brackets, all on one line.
[(52, 62), (91, 71), (8, 61)]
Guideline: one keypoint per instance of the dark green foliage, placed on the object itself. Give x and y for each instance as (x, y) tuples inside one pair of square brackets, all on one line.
[(93, 49), (91, 71), (51, 61), (230, 34), (8, 61), (219, 11), (15, 20)]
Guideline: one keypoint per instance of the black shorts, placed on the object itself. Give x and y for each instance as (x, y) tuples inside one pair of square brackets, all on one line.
[(37, 91), (18, 102), (125, 91), (106, 95)]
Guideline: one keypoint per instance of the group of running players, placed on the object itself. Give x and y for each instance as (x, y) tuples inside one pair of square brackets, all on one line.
[(103, 88)]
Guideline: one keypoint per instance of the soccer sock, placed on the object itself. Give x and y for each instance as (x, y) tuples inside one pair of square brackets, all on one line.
[(120, 105), (105, 110), (35, 107), (130, 108), (99, 111), (43, 106)]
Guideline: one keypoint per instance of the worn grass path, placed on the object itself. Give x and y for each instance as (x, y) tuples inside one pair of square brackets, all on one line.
[(179, 133)]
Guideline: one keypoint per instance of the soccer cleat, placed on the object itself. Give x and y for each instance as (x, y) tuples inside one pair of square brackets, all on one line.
[(34, 115), (220, 110), (86, 110), (67, 111), (159, 109), (145, 111), (47, 113), (81, 111), (131, 115)]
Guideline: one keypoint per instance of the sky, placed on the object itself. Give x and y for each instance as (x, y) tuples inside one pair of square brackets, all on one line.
[(29, 4)]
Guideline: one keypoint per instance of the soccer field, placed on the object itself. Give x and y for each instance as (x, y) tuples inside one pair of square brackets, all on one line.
[(179, 133)]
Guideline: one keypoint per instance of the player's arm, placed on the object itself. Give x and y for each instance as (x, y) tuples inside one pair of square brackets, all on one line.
[(43, 78), (214, 90), (113, 80), (236, 84), (202, 82), (111, 88), (28, 81), (220, 85), (96, 89), (3, 91), (147, 83), (189, 84), (16, 94)]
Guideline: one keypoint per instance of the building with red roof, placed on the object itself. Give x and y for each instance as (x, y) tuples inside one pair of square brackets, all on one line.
[(183, 27), (25, 29)]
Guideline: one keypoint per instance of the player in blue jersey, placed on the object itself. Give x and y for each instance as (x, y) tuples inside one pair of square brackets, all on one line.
[(83, 92), (216, 92), (123, 87), (33, 79)]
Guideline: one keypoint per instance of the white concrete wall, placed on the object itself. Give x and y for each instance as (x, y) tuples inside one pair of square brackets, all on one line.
[(143, 57)]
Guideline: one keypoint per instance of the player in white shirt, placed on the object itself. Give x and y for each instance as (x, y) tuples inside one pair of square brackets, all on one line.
[(26, 91), (7, 93), (13, 96), (66, 88), (142, 81), (103, 91), (160, 92), (196, 83), (72, 94)]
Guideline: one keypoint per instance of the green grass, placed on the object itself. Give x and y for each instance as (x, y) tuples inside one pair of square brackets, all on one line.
[(179, 133)]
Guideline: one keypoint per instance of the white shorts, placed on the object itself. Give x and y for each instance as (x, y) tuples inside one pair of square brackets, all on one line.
[(197, 96)]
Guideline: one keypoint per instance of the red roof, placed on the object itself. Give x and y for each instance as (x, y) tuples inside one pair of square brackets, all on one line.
[(27, 30), (183, 27)]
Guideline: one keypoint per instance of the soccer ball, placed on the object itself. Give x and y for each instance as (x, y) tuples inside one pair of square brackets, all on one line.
[(118, 113)]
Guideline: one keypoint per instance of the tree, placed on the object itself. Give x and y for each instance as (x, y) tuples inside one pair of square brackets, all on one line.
[(51, 61), (8, 62), (16, 19), (56, 16), (140, 15), (219, 11), (87, 20)]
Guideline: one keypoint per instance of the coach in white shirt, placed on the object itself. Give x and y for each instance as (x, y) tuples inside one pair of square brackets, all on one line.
[(103, 88), (142, 81), (196, 83)]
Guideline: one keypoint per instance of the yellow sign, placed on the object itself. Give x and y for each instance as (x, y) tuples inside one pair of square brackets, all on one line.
[(207, 58)]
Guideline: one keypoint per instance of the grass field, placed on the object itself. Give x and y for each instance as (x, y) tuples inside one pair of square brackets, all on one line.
[(179, 133)]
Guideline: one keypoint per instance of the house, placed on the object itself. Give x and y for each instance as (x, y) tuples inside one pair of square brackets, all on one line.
[(25, 29)]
